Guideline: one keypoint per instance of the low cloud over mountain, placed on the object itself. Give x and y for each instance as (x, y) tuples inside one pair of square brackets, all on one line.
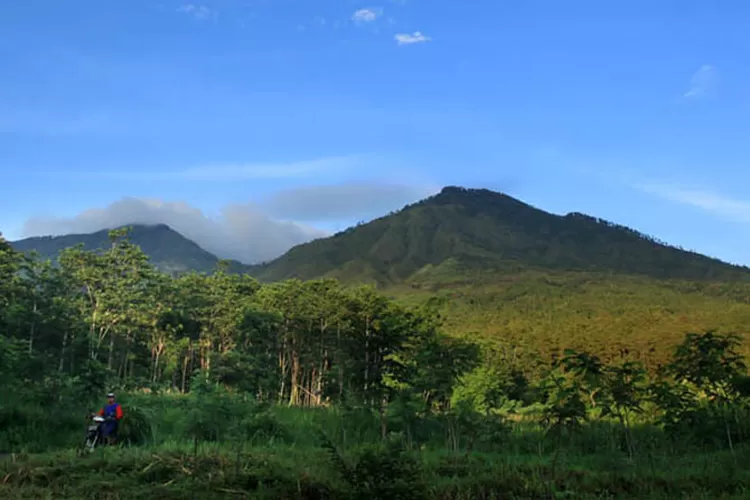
[(249, 233), (240, 232)]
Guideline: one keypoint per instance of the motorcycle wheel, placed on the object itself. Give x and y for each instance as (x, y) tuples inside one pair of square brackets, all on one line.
[(90, 444)]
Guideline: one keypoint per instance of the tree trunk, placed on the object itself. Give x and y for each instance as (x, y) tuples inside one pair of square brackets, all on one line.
[(340, 362), (61, 365), (367, 358), (185, 361), (282, 370), (110, 356), (294, 382), (383, 419), (32, 328)]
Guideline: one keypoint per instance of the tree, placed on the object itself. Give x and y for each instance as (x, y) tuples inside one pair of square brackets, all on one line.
[(710, 365), (625, 388), (111, 287), (10, 279), (573, 379)]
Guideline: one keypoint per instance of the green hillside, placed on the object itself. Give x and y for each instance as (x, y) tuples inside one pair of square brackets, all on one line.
[(468, 234), (610, 315), (498, 269), (167, 249)]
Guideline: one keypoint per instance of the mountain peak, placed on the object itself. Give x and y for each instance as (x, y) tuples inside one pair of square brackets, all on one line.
[(462, 191), (481, 200), (459, 194)]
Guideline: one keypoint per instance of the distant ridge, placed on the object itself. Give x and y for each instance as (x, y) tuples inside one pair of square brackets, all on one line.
[(167, 249)]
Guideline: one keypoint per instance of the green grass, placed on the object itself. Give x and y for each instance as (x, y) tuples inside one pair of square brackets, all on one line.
[(337, 453), (171, 470)]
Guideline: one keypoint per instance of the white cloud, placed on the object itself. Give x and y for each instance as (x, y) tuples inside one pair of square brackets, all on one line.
[(703, 82), (718, 204), (241, 231), (409, 39), (199, 12), (366, 15), (238, 172)]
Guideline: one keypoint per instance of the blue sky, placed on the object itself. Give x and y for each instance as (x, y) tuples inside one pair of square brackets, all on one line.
[(256, 122)]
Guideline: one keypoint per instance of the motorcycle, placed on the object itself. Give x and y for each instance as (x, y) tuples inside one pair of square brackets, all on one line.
[(93, 433)]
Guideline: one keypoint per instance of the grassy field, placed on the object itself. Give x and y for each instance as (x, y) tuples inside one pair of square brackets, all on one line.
[(236, 449)]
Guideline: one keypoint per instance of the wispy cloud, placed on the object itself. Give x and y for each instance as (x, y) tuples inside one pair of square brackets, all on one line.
[(199, 12), (238, 172), (267, 171), (367, 15), (703, 82), (409, 39), (715, 203), (362, 199)]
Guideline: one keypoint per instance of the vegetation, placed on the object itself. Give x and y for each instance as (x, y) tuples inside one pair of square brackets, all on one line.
[(613, 316), (309, 389)]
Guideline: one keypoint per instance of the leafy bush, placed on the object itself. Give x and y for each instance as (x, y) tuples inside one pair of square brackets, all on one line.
[(135, 428), (379, 471)]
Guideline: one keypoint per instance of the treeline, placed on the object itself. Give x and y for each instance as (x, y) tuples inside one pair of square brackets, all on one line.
[(300, 343)]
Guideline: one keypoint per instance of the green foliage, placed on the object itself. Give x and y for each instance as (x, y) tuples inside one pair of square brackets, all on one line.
[(378, 471), (702, 389), (210, 411), (495, 384), (573, 380), (711, 364), (135, 428)]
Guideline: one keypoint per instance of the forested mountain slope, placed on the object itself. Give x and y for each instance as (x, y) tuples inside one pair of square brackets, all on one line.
[(461, 232)]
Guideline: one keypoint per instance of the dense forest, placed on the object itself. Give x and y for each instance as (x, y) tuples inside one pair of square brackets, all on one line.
[(305, 343), (313, 389)]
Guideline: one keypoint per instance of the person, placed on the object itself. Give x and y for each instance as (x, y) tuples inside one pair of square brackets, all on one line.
[(112, 412)]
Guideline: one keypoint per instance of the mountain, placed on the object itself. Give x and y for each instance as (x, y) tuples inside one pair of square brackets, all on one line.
[(167, 249), (459, 236), (474, 233)]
